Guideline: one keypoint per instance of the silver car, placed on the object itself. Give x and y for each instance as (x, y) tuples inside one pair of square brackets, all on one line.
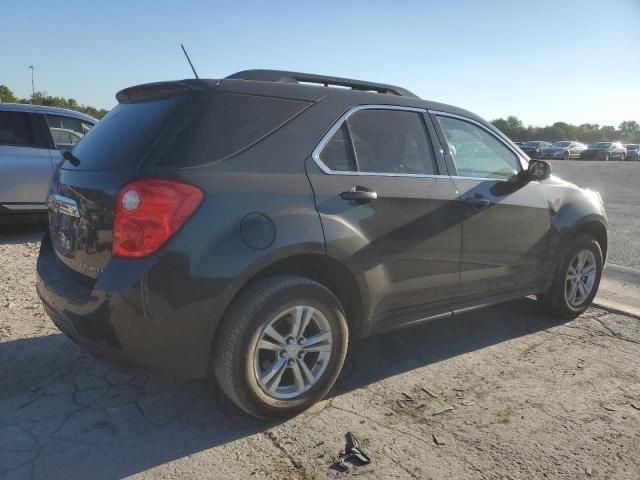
[(564, 149), (633, 152), (32, 138)]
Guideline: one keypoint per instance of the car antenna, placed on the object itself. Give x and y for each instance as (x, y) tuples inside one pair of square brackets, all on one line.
[(189, 60)]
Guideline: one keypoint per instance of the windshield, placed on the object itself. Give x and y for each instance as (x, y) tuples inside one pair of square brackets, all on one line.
[(561, 144), (600, 145)]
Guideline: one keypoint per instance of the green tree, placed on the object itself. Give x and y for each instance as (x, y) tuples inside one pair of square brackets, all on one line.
[(609, 133), (6, 95), (42, 98), (630, 130), (512, 127)]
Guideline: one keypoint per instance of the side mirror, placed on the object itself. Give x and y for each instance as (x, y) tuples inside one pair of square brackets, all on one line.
[(538, 170)]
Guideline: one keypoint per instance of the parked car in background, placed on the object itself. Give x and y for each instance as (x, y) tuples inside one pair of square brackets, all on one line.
[(64, 138), (210, 244), (533, 147), (519, 143), (604, 151), (31, 139), (564, 149), (633, 152)]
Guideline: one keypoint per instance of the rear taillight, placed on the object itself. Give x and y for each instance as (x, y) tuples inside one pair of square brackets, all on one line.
[(149, 212)]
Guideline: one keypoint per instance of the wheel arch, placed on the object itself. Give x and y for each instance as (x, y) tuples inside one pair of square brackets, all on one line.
[(593, 225), (328, 272), (598, 230), (323, 269)]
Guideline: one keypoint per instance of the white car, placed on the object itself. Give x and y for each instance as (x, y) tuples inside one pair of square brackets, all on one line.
[(32, 138)]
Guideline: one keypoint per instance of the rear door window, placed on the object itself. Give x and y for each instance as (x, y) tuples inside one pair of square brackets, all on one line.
[(60, 137), (67, 130), (391, 141), (384, 141), (68, 123), (16, 130)]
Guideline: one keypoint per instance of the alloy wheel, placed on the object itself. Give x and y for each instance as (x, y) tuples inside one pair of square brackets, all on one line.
[(581, 277), (293, 352)]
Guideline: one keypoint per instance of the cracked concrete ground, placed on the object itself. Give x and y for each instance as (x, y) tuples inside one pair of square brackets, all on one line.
[(531, 399)]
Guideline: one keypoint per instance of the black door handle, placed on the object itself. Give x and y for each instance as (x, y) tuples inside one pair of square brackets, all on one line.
[(478, 203), (359, 195)]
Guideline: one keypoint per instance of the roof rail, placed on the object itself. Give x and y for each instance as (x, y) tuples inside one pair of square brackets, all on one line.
[(298, 77)]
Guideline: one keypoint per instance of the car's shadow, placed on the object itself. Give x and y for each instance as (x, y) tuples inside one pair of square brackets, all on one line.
[(21, 233), (74, 416)]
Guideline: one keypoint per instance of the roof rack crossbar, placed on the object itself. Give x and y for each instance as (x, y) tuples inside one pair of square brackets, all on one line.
[(298, 77)]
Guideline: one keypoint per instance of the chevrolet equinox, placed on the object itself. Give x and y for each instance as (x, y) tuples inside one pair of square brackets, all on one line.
[(246, 228)]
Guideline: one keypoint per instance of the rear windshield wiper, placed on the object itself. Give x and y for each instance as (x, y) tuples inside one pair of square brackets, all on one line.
[(73, 160)]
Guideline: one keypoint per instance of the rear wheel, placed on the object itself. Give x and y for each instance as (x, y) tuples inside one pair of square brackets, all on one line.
[(281, 346), (565, 156), (576, 280)]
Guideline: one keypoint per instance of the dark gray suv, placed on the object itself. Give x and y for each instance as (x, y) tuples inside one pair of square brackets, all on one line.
[(246, 228)]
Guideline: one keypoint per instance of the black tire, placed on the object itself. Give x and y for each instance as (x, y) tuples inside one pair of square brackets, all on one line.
[(565, 156), (239, 333), (555, 301)]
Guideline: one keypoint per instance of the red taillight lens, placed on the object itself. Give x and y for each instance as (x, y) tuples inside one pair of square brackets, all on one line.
[(149, 212)]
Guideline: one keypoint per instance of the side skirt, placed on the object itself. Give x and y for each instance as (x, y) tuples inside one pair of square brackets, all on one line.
[(453, 310)]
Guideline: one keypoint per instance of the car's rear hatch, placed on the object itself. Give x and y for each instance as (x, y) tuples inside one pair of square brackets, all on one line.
[(84, 188), (157, 131)]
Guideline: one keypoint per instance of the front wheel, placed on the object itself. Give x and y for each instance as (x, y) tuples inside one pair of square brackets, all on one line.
[(565, 156), (281, 346), (576, 279)]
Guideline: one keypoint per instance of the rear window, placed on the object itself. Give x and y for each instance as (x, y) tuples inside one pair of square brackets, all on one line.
[(226, 125), (123, 137)]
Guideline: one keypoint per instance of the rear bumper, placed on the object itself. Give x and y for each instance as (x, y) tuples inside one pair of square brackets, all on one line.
[(128, 316)]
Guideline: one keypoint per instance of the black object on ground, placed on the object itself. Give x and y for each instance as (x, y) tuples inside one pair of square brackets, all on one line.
[(353, 455)]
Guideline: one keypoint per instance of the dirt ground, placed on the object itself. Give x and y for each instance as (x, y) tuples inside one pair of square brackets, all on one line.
[(503, 393)]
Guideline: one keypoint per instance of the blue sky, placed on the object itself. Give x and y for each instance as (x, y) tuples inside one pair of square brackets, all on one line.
[(544, 61)]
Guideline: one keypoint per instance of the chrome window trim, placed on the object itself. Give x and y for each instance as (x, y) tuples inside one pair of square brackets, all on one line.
[(523, 166), (484, 179), (338, 124)]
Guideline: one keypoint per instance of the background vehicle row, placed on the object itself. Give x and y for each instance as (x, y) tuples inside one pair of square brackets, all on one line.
[(567, 149)]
